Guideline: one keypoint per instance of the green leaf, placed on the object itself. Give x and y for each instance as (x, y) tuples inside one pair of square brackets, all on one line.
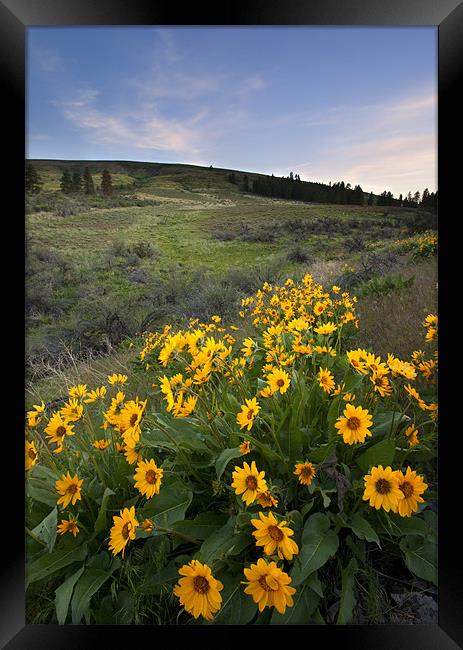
[(224, 458), (313, 581), (420, 557), (169, 506), (347, 604), (319, 543), (336, 408), (157, 438), (380, 454), (291, 443), (384, 421), (46, 530), (46, 565), (201, 527), (362, 528), (100, 522), (237, 608), (40, 491), (219, 543), (88, 584), (63, 596), (160, 582), (413, 525), (305, 603)]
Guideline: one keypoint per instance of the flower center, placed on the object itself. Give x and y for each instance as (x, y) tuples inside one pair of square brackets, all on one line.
[(280, 382), (201, 584), (151, 476), (275, 533), (407, 489), (263, 583), (60, 431), (72, 489), (353, 423), (133, 419), (306, 472), (126, 528), (250, 414), (32, 454), (383, 486), (251, 482)]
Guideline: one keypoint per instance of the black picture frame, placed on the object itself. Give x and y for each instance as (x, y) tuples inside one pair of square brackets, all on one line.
[(15, 17)]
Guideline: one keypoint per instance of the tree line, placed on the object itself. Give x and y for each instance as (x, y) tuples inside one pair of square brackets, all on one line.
[(70, 183), (291, 187)]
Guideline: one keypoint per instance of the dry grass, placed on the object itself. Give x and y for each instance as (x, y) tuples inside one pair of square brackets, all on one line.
[(393, 323), (51, 381)]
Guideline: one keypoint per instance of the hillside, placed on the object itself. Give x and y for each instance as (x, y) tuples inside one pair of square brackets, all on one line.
[(178, 241)]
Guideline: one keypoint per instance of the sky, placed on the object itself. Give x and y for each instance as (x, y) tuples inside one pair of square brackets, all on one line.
[(329, 103)]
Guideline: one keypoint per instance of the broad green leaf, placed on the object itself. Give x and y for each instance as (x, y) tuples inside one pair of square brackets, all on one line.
[(46, 530), (237, 607), (41, 491), (63, 596), (161, 581), (100, 522), (157, 438), (383, 422), (291, 443), (362, 528), (420, 558), (347, 604), (305, 603), (201, 527), (380, 454), (225, 457), (319, 543), (414, 525), (430, 518), (321, 453), (46, 565), (219, 543), (169, 506), (313, 581), (88, 584), (336, 408)]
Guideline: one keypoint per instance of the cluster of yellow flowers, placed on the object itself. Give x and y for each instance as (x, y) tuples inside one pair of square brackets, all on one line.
[(298, 335), (422, 245)]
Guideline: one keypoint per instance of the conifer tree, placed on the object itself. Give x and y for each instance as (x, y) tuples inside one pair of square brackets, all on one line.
[(89, 187), (66, 182), (76, 182), (106, 183), (33, 180)]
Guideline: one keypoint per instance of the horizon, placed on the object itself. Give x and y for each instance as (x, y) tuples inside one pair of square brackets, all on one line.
[(330, 104)]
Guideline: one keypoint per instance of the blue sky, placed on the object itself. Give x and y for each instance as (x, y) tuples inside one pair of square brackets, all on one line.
[(352, 104)]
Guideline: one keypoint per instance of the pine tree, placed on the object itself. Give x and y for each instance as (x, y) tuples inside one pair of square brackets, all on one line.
[(89, 187), (106, 183), (33, 180), (66, 182), (76, 182)]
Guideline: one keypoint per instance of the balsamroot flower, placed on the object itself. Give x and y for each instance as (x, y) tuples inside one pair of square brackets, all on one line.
[(269, 586), (198, 591)]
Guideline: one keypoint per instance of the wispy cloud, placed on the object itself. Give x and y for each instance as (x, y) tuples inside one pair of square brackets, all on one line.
[(389, 146), (156, 133), (172, 107)]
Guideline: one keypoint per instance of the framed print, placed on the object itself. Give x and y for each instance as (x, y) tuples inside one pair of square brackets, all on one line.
[(231, 322)]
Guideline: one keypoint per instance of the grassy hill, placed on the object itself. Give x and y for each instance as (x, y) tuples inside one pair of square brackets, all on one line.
[(176, 241)]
